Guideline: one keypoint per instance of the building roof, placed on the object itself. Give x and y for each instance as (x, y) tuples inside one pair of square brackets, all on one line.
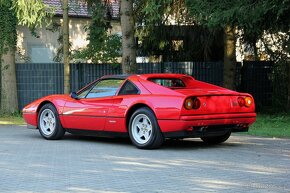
[(79, 8)]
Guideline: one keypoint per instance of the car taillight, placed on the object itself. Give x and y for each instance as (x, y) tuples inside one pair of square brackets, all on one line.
[(248, 101), (245, 101), (241, 101), (192, 103)]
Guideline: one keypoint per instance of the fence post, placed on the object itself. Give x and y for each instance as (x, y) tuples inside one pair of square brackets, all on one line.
[(162, 67)]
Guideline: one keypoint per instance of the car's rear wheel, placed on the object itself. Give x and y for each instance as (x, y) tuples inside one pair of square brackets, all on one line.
[(144, 130), (216, 139), (48, 123)]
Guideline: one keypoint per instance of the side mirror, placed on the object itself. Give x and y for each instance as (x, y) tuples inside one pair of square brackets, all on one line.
[(74, 95)]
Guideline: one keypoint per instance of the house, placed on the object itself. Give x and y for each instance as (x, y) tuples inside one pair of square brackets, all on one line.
[(41, 47)]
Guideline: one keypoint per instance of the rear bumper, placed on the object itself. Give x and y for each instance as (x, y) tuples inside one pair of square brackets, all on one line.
[(214, 130), (239, 121)]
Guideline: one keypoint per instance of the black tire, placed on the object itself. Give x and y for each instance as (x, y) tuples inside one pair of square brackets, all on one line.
[(216, 139), (155, 137), (50, 129)]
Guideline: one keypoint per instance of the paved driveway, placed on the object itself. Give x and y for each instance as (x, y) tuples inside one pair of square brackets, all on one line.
[(29, 163)]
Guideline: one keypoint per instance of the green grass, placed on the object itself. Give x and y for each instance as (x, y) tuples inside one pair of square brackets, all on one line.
[(11, 120), (276, 125)]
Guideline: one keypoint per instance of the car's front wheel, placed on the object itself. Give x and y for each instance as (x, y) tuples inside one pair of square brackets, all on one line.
[(216, 139), (144, 130), (48, 123)]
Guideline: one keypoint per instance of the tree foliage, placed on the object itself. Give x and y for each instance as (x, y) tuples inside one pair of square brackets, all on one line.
[(8, 24), (103, 46), (253, 17), (32, 13)]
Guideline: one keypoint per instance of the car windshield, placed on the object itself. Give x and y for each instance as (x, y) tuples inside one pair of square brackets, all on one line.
[(169, 82)]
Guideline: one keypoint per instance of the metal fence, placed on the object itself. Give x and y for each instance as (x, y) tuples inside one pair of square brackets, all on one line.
[(82, 73), (35, 80), (211, 72), (256, 79)]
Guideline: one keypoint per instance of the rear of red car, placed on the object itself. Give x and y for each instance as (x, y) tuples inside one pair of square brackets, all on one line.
[(207, 110)]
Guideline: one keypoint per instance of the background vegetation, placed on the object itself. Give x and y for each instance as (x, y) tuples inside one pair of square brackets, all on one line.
[(271, 125)]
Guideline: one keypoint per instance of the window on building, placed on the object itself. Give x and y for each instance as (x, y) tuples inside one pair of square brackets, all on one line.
[(40, 54)]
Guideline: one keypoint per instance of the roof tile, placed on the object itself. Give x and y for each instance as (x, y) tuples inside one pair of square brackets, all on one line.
[(78, 8)]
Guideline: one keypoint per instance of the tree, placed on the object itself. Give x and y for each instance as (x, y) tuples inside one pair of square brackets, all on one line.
[(128, 36), (14, 12), (66, 47), (7, 54)]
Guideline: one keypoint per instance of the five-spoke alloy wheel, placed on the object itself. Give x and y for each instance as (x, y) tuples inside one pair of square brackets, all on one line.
[(144, 130), (48, 123)]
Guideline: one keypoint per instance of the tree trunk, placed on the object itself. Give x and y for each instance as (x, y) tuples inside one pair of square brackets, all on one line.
[(128, 41), (229, 57), (9, 102), (66, 47)]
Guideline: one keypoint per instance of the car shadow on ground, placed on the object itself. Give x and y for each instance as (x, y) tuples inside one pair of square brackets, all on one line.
[(189, 143), (193, 143)]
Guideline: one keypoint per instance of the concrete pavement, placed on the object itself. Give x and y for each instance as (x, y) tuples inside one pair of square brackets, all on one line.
[(29, 163)]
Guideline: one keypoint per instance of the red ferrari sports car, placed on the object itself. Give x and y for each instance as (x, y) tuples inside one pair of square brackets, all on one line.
[(148, 108)]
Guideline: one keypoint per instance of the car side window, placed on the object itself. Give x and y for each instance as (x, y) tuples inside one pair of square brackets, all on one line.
[(128, 88), (104, 88), (84, 93)]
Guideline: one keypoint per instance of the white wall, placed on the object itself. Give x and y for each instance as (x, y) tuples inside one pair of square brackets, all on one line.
[(42, 49)]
